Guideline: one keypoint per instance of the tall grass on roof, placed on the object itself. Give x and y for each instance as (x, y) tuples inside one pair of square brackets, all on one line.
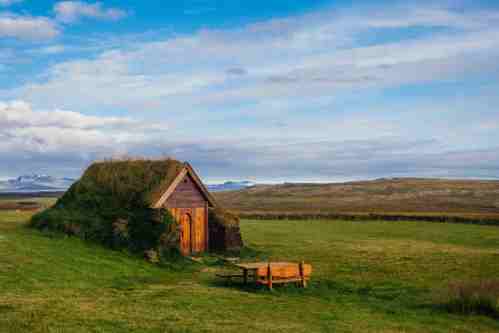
[(111, 204)]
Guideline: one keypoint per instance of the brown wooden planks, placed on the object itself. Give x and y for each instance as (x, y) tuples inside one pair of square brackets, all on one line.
[(193, 229), (187, 200), (185, 234), (186, 195), (199, 230), (285, 271)]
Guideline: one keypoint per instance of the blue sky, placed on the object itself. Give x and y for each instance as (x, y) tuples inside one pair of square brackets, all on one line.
[(310, 90)]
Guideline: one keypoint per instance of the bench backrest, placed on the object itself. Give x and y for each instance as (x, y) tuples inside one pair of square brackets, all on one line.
[(285, 271)]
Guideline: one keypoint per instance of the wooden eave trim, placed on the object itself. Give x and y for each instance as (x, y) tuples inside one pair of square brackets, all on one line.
[(171, 188), (201, 186), (186, 170)]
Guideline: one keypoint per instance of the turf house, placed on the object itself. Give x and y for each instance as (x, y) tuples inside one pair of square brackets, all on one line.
[(156, 207)]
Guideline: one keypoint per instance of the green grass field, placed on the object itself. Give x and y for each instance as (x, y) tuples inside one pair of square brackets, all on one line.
[(369, 277)]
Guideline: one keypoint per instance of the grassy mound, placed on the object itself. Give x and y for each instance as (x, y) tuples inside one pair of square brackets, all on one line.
[(111, 204)]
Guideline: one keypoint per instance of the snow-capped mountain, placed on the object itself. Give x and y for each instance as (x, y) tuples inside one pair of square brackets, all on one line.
[(229, 186), (35, 183), (43, 183)]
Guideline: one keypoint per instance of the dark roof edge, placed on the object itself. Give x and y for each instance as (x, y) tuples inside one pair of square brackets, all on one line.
[(200, 184)]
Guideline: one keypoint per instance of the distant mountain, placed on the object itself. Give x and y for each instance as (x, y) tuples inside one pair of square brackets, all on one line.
[(35, 183), (229, 186), (44, 183)]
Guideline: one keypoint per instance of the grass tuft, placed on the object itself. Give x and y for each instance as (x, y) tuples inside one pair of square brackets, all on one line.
[(477, 297)]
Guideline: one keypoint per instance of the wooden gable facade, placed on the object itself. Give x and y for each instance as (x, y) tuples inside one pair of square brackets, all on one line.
[(188, 201)]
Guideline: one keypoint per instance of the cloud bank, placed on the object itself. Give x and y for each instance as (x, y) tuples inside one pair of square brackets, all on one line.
[(6, 3), (56, 131), (27, 27), (72, 11), (41, 28), (277, 100), (317, 55), (70, 140)]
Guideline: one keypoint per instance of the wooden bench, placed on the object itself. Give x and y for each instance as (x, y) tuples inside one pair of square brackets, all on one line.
[(280, 273)]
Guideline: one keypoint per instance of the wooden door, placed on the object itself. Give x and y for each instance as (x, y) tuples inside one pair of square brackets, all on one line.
[(198, 235), (185, 234)]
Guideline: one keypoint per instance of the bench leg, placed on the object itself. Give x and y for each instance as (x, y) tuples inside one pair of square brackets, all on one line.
[(245, 277), (302, 274), (269, 276)]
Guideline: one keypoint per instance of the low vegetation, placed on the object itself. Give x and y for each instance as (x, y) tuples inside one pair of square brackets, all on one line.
[(384, 199), (477, 297), (368, 277), (225, 235)]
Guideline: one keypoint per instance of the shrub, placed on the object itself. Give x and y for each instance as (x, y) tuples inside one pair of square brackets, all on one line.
[(225, 235), (478, 297)]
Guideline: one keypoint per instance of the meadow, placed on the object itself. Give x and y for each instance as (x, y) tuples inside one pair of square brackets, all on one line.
[(368, 277)]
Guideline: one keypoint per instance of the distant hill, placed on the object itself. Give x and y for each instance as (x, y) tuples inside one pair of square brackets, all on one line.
[(383, 196)]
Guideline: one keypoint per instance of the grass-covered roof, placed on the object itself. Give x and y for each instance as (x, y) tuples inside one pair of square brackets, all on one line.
[(111, 204), (129, 182)]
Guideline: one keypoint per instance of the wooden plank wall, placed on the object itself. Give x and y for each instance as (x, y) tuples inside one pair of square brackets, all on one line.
[(199, 234), (186, 195), (187, 199)]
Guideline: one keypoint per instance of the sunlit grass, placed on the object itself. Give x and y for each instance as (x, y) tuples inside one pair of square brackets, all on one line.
[(368, 277)]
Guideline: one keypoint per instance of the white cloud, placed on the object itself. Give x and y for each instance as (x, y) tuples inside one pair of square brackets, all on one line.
[(282, 76), (20, 114), (27, 27), (8, 2), (50, 49), (315, 54), (72, 11), (24, 129), (61, 140)]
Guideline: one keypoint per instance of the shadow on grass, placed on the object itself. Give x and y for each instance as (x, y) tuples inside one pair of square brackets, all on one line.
[(332, 290), (442, 308), (4, 308), (245, 254), (456, 309)]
